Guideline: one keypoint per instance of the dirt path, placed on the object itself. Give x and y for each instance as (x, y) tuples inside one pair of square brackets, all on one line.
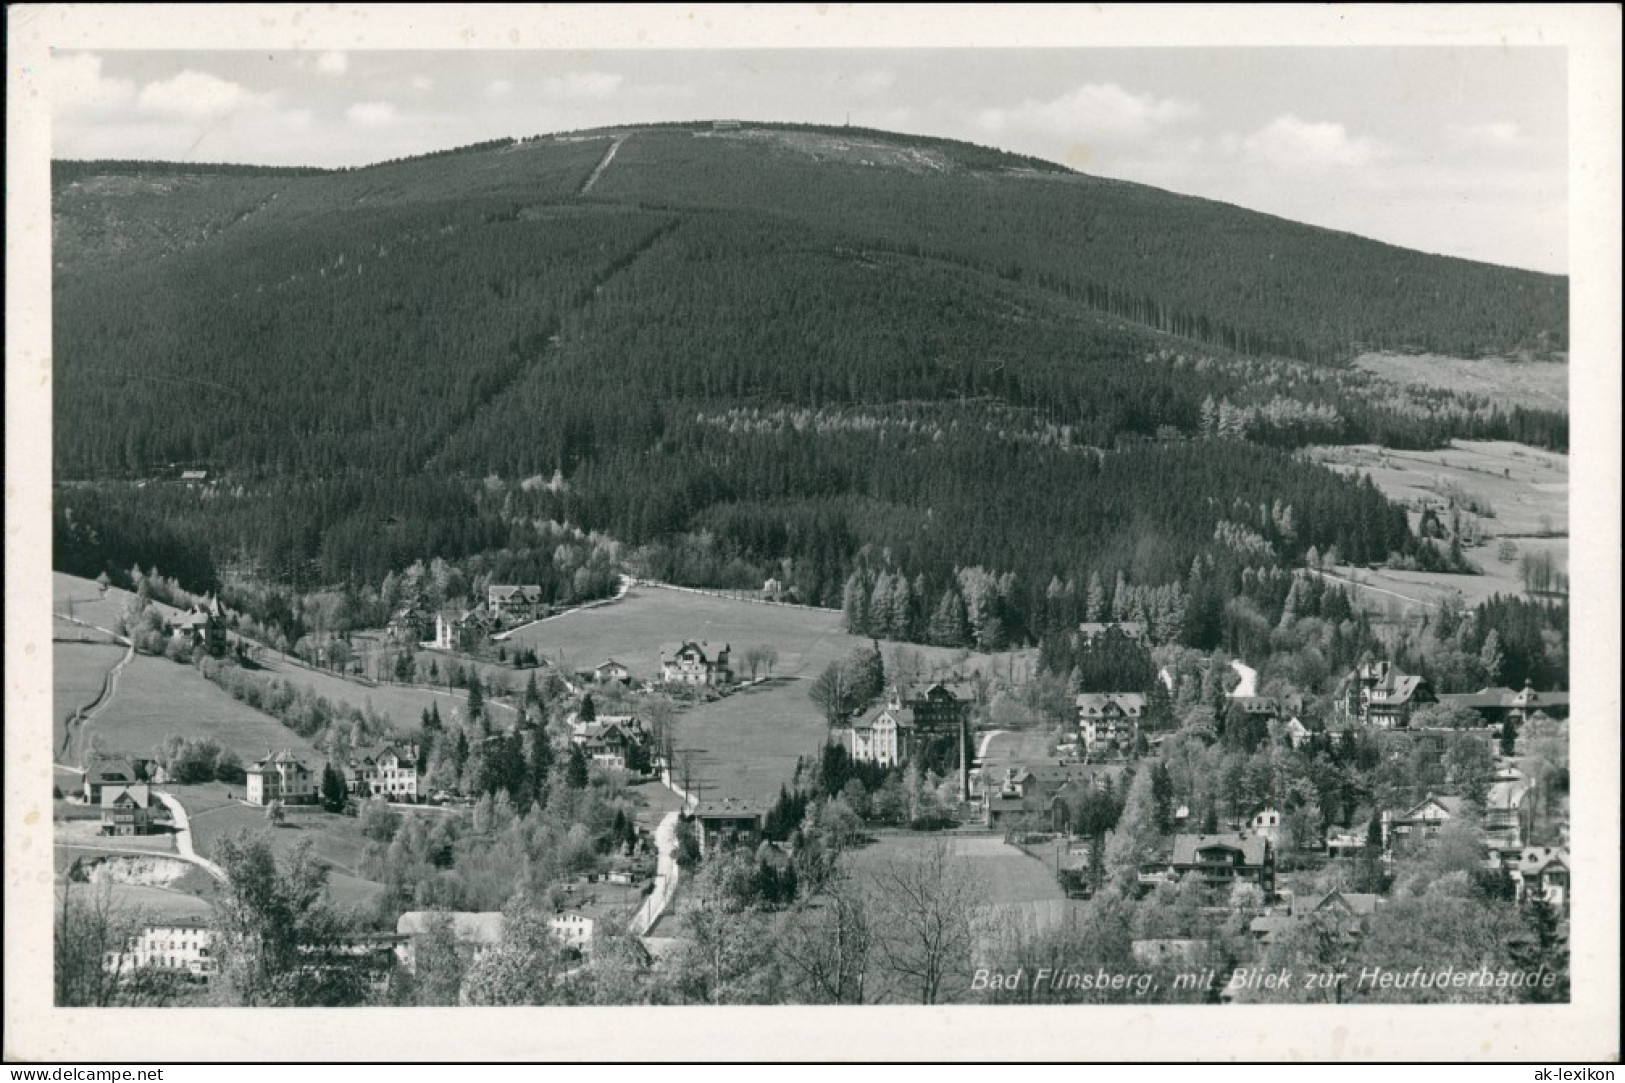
[(609, 156), (1375, 590), (183, 836), (80, 727)]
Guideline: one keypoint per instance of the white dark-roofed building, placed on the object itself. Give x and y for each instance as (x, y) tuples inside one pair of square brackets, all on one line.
[(126, 810), (696, 663), (509, 604), (1422, 821), (1377, 694), (477, 932), (1109, 720), (281, 777), (184, 947), (103, 773), (1544, 869)]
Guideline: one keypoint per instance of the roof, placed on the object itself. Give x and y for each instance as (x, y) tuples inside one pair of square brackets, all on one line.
[(111, 771), (1450, 804), (670, 651), (194, 475), (1397, 688), (115, 795), (275, 759), (1094, 704), (1482, 699), (1133, 629), (1357, 903), (508, 591), (1534, 860), (902, 717), (727, 808), (1253, 848), (478, 927)]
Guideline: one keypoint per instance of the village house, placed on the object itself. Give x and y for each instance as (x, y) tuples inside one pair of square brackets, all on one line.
[(881, 735), (612, 672), (607, 742), (390, 772), (1344, 913), (453, 628), (410, 624), (728, 820), (204, 625), (1420, 822), (1497, 705), (1504, 810), (1090, 632), (1046, 791), (1346, 841), (1297, 734), (126, 810), (117, 773), (1224, 859), (939, 707), (1377, 694), (694, 663), (1109, 721), (1267, 822), (514, 604), (475, 933), (280, 777), (1543, 869), (184, 947)]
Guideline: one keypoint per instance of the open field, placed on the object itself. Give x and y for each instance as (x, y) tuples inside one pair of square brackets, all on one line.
[(1015, 746), (403, 706), (155, 904), (78, 673), (157, 698), (746, 744), (1525, 488), (1522, 485), (632, 630), (336, 839), (1539, 384)]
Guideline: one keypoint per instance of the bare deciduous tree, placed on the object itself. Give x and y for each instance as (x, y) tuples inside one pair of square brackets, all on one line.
[(926, 907), (827, 955)]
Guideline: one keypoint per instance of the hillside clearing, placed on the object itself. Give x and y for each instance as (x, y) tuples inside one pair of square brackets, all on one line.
[(158, 699), (78, 675), (1530, 384)]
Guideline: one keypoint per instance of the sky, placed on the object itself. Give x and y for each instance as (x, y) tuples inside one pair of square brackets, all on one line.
[(1461, 151)]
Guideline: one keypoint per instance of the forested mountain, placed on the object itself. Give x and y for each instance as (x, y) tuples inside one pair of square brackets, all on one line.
[(816, 353)]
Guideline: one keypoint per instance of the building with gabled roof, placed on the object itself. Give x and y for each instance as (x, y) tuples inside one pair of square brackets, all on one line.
[(107, 772), (880, 735), (1377, 694), (126, 810), (1109, 720), (280, 776), (1543, 869), (1224, 859), (727, 820), (1421, 821), (513, 604), (475, 932), (1092, 631), (695, 662)]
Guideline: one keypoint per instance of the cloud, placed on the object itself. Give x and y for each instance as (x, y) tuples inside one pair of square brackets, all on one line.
[(1288, 142), (1098, 109), (77, 82), (1502, 133), (497, 89), (333, 63), (422, 82), (371, 114), (582, 85), (196, 95)]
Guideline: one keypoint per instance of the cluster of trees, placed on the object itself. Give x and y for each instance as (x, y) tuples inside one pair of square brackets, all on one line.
[(197, 759), (850, 685)]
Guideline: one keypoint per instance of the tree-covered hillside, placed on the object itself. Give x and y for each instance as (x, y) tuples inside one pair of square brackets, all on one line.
[(813, 353)]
